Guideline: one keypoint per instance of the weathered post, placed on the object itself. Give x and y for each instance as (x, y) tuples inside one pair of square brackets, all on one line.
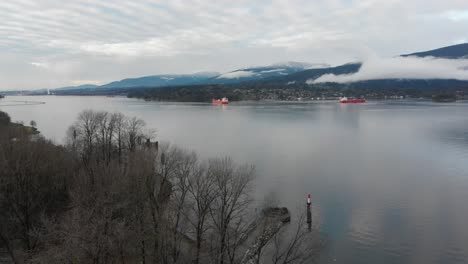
[(309, 213)]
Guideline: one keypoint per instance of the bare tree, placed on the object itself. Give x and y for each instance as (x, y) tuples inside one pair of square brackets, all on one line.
[(134, 132), (98, 136), (30, 186), (187, 170), (297, 244), (119, 121), (83, 133), (231, 202), (139, 175), (158, 190), (202, 192), (112, 197)]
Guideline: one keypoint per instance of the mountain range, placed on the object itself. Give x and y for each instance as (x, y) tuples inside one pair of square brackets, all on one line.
[(263, 72), (459, 51), (162, 80), (280, 74), (237, 76)]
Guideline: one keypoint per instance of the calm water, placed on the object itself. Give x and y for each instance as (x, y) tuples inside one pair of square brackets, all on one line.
[(389, 181)]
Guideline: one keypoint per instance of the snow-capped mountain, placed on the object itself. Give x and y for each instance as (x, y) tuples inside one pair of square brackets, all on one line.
[(237, 76), (300, 65), (262, 72)]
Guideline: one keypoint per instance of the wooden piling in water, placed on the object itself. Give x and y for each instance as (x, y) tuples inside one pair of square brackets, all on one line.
[(309, 214)]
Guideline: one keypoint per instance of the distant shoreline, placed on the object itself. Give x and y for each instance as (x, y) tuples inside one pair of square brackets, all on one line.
[(20, 103), (324, 100)]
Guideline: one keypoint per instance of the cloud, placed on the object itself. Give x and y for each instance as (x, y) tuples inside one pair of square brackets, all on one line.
[(40, 64), (457, 15), (81, 82), (106, 40), (274, 70), (236, 75), (149, 47), (376, 68)]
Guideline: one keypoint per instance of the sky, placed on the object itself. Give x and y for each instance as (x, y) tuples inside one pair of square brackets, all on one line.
[(51, 43), (377, 68)]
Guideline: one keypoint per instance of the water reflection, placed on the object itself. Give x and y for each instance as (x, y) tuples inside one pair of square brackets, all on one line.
[(388, 180)]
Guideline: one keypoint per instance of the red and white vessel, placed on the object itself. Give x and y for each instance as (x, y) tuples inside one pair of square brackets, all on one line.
[(223, 101), (345, 100)]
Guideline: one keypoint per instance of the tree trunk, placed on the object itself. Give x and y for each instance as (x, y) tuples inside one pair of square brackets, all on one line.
[(143, 253), (142, 246), (8, 248), (197, 256)]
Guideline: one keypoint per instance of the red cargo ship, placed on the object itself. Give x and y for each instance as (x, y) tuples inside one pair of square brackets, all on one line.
[(222, 101), (345, 100)]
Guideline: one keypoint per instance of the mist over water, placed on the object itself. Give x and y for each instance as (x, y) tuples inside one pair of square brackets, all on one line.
[(388, 179)]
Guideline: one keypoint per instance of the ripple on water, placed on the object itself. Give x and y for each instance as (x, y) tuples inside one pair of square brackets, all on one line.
[(364, 239), (455, 255), (397, 250)]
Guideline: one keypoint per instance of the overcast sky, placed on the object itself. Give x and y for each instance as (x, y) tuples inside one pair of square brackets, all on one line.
[(49, 43)]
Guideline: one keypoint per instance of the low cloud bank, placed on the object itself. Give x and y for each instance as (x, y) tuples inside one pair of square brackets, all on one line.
[(375, 68), (275, 70), (236, 75)]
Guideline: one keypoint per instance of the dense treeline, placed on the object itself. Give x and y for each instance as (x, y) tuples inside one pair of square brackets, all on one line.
[(235, 92), (197, 93), (113, 195), (372, 89)]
